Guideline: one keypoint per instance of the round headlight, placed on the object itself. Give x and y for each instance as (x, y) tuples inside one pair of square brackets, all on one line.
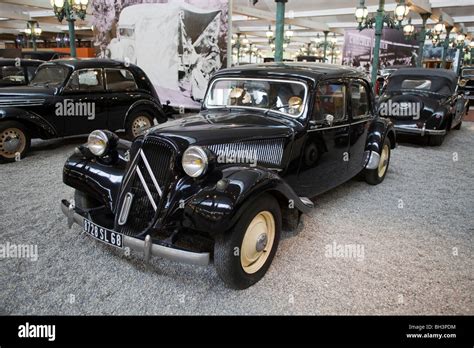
[(97, 142), (195, 161)]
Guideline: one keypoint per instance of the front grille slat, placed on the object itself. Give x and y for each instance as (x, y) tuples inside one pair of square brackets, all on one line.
[(268, 152), (160, 156)]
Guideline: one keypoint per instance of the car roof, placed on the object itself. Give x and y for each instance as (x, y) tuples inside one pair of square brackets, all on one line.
[(84, 63), (314, 71), (449, 74), (12, 61)]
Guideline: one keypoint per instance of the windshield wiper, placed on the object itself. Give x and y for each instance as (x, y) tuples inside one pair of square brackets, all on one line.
[(276, 108)]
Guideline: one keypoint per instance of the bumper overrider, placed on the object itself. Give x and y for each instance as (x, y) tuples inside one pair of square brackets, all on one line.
[(411, 129), (148, 246)]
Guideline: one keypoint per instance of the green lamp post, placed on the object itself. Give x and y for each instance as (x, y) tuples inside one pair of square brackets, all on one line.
[(280, 29), (70, 10), (364, 22)]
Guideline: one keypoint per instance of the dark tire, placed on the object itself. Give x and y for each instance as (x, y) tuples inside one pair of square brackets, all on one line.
[(231, 256), (84, 201), (14, 138), (436, 140), (377, 175), (458, 126), (137, 122)]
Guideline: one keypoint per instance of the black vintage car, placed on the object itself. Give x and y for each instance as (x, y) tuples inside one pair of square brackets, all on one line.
[(466, 82), (71, 97), (228, 180), (423, 102), (17, 72)]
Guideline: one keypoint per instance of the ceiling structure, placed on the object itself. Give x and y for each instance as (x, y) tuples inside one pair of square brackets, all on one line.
[(307, 18)]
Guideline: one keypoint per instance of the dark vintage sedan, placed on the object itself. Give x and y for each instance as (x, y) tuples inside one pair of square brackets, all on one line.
[(17, 72), (71, 97), (466, 82), (227, 181), (424, 102)]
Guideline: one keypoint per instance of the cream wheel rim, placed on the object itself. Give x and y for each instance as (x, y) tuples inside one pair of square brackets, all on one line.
[(139, 124), (9, 135), (258, 242), (383, 161)]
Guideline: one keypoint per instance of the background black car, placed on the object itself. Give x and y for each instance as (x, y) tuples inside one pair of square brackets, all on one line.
[(69, 97), (466, 82), (45, 55), (424, 102), (228, 180), (17, 72)]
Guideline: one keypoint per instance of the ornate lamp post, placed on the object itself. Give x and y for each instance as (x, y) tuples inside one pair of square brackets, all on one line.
[(70, 10), (288, 34), (361, 14), (460, 44), (34, 31), (239, 42), (280, 29)]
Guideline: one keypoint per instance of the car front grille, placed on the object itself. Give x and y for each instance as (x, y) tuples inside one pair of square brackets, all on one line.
[(148, 181), (267, 152)]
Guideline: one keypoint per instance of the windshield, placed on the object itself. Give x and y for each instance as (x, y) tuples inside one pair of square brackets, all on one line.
[(283, 97), (468, 73), (50, 76)]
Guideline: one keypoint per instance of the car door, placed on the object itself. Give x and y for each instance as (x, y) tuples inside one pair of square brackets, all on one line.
[(122, 92), (361, 117), (323, 162), (83, 104)]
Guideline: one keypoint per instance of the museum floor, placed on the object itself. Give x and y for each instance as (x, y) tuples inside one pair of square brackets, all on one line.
[(414, 233)]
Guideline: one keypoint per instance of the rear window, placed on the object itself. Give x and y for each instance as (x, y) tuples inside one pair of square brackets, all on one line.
[(12, 73), (417, 84)]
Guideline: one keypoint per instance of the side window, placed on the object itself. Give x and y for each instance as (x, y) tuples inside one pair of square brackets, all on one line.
[(359, 100), (31, 70), (120, 80), (331, 100), (86, 80)]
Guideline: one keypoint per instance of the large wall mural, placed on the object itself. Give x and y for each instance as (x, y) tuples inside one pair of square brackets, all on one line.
[(178, 43), (394, 48)]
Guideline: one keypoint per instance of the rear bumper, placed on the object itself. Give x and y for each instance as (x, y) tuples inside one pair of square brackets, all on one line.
[(146, 246), (409, 129)]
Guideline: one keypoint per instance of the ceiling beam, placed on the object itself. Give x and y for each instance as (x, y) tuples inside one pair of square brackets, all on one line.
[(13, 12), (420, 6), (269, 16)]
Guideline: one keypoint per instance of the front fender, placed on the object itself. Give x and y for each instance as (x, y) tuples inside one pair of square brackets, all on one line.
[(148, 105), (36, 123), (379, 129), (217, 208), (99, 179)]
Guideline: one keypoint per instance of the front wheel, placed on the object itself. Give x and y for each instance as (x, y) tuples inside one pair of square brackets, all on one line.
[(14, 139), (377, 175), (243, 255)]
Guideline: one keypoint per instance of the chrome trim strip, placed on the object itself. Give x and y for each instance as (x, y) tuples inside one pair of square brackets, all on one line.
[(329, 128), (419, 131), (230, 78), (127, 203), (150, 172), (147, 190)]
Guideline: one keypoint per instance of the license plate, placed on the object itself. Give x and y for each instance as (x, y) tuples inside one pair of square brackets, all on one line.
[(104, 235)]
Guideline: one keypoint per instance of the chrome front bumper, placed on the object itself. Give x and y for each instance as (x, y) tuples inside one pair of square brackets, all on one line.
[(146, 246), (421, 131)]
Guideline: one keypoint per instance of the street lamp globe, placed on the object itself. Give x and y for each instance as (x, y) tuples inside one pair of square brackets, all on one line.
[(460, 38), (401, 11), (361, 13), (269, 33), (439, 27), (408, 29)]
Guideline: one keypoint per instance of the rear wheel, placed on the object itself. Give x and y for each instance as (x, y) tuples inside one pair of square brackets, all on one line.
[(14, 139), (243, 255), (437, 140), (377, 175), (138, 122)]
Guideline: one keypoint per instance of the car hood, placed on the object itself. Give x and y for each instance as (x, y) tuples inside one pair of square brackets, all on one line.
[(225, 127), (26, 92)]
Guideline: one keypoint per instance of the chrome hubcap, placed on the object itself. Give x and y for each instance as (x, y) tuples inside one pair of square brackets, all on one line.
[(140, 124), (12, 140)]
